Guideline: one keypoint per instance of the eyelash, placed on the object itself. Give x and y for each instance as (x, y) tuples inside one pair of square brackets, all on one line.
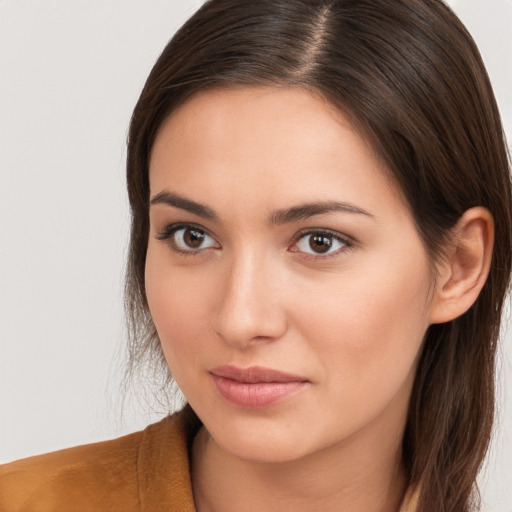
[(347, 242), (170, 230)]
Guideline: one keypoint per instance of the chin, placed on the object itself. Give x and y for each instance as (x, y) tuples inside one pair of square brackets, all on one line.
[(262, 451), (259, 441)]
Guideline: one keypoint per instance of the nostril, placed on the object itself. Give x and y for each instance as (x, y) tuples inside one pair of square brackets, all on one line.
[(249, 325)]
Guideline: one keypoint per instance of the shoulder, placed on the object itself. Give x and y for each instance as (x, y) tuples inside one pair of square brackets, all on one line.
[(72, 476), (110, 475)]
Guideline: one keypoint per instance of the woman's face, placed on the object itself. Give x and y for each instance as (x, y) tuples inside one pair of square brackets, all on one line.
[(286, 280)]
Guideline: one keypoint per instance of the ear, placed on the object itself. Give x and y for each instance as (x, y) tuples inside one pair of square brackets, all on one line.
[(464, 270)]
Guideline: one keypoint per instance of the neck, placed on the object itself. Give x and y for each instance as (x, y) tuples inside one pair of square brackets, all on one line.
[(363, 473)]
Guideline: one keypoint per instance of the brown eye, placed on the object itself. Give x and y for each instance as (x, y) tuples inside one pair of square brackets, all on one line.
[(190, 239), (320, 243), (193, 237)]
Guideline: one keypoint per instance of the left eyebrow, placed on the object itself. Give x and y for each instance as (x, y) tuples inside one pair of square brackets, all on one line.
[(183, 203), (304, 211)]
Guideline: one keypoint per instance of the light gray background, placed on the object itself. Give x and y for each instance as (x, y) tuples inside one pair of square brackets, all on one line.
[(70, 73)]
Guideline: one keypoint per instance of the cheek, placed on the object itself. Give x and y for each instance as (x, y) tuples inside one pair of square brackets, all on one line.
[(180, 307), (379, 301), (367, 329)]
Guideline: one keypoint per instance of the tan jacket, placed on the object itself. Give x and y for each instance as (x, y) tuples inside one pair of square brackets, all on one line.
[(145, 471)]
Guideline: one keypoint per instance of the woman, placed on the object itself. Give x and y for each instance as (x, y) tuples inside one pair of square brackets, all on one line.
[(320, 250)]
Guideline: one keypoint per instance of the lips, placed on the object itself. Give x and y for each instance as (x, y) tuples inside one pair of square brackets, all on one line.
[(255, 387)]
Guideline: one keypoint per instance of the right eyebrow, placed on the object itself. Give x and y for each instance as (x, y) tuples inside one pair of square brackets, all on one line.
[(182, 203), (307, 210)]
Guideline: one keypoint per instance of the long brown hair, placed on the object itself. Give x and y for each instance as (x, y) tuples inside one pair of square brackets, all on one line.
[(410, 76)]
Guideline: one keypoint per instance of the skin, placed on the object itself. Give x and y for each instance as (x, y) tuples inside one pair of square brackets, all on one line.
[(350, 322)]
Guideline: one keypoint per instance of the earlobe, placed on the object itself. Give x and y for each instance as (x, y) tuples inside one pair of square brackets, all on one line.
[(464, 270)]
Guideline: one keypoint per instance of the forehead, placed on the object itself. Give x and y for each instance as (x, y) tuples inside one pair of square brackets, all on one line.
[(288, 142)]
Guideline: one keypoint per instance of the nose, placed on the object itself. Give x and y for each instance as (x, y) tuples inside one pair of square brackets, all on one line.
[(250, 308)]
